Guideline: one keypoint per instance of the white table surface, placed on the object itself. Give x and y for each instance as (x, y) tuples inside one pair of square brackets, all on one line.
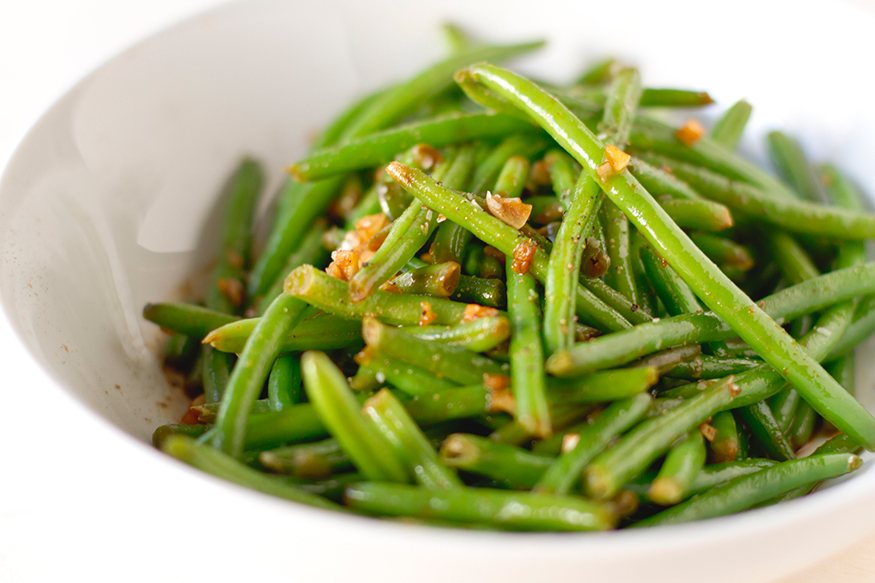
[(48, 443)]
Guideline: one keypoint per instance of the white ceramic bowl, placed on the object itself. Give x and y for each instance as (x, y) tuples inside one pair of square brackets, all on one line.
[(109, 203)]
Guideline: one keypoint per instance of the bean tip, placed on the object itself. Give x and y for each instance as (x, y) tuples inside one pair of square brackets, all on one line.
[(854, 462), (299, 280)]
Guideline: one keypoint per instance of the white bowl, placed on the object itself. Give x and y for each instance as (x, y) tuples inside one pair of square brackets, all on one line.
[(109, 203)]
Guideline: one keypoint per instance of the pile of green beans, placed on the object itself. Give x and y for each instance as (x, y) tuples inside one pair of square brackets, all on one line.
[(489, 302)]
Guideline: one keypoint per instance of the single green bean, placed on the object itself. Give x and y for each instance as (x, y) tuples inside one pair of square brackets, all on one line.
[(507, 510), (761, 422), (241, 191), (511, 180), (409, 443), (284, 382), (445, 361), (711, 367), (310, 252), (253, 366), (704, 215), (378, 148), (744, 491), (332, 295), (724, 251), (509, 465), (314, 461), (410, 379), (724, 445), (320, 331), (728, 129), (793, 165), (215, 462), (186, 319), (681, 466), (477, 290), (602, 387), (439, 280), (338, 410), (676, 296), (660, 183), (480, 335)]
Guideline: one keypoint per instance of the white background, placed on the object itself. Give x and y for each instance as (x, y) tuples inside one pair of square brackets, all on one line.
[(52, 451)]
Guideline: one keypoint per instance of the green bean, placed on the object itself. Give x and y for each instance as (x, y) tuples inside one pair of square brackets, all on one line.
[(457, 403), (511, 466), (839, 444), (480, 335), (674, 98), (563, 173), (860, 328), (314, 461), (660, 183), (728, 129), (743, 492), (631, 311), (493, 231), (710, 476), (528, 379), (512, 179), (223, 466), (319, 332), (592, 440), (724, 445), (622, 99), (507, 510), (666, 360), (711, 367), (337, 408), (723, 251), (306, 202), (164, 431), (216, 372), (620, 348), (241, 192), (561, 415), (842, 369), (790, 214), (676, 296), (792, 260), (284, 382), (602, 387), (182, 351), (783, 406), (802, 427), (186, 319), (445, 361), (309, 252), (406, 377), (705, 215), (600, 72), (207, 411), (477, 290), (564, 264), (793, 165), (248, 376), (409, 443), (683, 462), (439, 280), (488, 171), (607, 473), (761, 422), (319, 289), (378, 148)]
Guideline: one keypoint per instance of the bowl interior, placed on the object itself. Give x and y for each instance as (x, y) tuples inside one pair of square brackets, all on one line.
[(110, 201)]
